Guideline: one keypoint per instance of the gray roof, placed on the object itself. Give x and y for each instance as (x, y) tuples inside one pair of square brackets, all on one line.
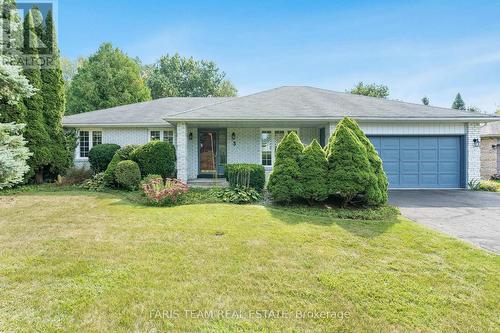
[(145, 113), (491, 130), (308, 103)]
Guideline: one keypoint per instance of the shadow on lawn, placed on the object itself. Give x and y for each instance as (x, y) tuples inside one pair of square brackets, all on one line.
[(362, 228)]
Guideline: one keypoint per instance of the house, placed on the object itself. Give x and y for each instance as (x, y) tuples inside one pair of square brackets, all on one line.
[(490, 150), (421, 146)]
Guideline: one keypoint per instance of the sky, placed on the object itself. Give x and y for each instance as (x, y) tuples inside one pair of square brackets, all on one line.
[(416, 48)]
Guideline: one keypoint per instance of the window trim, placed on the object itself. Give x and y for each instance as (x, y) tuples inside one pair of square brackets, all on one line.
[(273, 143), (91, 141), (162, 134)]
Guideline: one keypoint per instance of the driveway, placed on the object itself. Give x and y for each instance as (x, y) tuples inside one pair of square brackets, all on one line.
[(471, 216)]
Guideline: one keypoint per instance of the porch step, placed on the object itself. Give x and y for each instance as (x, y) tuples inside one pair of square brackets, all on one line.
[(208, 182)]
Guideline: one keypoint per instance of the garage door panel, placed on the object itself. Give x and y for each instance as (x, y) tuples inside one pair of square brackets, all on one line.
[(421, 162)]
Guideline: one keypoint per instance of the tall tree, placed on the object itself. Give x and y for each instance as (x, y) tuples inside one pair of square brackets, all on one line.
[(425, 100), (108, 78), (458, 103), (54, 101), (173, 76), (36, 132), (372, 90)]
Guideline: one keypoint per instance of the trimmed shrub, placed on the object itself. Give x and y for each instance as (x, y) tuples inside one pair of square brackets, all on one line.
[(377, 194), (127, 174), (155, 157), (121, 154), (350, 173), (314, 173), (284, 181), (248, 175), (101, 155), (164, 193)]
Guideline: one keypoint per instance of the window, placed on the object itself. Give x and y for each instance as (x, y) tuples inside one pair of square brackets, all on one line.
[(270, 140), (168, 136), (154, 135), (85, 142)]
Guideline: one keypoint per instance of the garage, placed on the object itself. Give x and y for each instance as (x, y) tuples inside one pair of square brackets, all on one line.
[(421, 161)]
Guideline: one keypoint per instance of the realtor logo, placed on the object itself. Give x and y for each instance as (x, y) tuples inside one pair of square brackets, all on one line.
[(28, 32)]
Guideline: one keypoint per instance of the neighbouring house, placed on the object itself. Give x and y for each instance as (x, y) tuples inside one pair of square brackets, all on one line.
[(421, 146), (490, 150)]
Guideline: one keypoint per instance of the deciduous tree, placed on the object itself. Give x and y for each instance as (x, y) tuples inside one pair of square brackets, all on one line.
[(372, 90)]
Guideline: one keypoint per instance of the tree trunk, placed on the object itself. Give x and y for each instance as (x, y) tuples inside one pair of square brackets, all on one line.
[(39, 176)]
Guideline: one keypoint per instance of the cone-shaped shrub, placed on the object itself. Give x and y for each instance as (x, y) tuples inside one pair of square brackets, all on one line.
[(378, 194), (314, 173), (284, 181), (350, 173)]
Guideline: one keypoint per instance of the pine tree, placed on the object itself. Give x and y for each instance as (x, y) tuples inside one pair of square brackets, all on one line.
[(54, 100), (284, 181), (458, 103), (36, 133), (314, 173), (349, 170), (377, 192)]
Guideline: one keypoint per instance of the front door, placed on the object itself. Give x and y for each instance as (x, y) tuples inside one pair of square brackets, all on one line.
[(208, 153)]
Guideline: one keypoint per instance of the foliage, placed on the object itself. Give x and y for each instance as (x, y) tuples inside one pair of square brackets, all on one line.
[(314, 172), (148, 178), (350, 173), (164, 193), (384, 212), (425, 100), (372, 90), (473, 109), (176, 76), (489, 185), (243, 174), (458, 103), (495, 176), (95, 183), (108, 78), (376, 193), (237, 194), (121, 154), (101, 155), (284, 182), (75, 176), (70, 68), (474, 185), (155, 157), (13, 155), (127, 174)]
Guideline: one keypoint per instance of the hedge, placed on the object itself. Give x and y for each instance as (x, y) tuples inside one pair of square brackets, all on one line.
[(121, 154), (128, 174), (243, 174), (101, 155), (155, 157)]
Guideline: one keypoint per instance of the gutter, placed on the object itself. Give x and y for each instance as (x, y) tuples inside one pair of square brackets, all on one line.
[(155, 125)]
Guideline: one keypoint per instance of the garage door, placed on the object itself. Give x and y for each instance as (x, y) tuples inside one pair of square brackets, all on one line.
[(421, 162)]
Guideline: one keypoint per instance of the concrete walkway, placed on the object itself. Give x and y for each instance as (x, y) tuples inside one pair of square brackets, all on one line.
[(471, 216)]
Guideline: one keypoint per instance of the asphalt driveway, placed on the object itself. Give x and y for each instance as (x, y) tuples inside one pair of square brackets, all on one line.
[(471, 216)]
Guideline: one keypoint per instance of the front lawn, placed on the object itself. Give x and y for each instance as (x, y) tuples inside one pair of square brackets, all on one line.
[(80, 261)]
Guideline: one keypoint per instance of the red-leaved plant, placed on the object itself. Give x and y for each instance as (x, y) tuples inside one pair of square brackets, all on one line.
[(159, 192)]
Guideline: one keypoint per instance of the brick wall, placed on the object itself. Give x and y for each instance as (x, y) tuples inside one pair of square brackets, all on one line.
[(473, 153), (488, 157)]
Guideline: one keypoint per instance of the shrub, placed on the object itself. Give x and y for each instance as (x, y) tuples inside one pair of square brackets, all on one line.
[(128, 174), (284, 181), (149, 178), (377, 193), (489, 185), (314, 173), (237, 194), (96, 183), (350, 173), (163, 193), (155, 157), (121, 154), (75, 175), (249, 175), (101, 155)]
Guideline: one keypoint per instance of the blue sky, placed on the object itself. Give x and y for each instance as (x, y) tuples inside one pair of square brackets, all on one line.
[(417, 48)]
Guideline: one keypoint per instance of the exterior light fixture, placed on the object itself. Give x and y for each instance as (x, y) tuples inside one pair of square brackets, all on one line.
[(233, 137), (476, 142), (494, 146), (190, 135)]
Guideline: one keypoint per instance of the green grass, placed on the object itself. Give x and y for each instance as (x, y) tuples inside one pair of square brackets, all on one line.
[(82, 261)]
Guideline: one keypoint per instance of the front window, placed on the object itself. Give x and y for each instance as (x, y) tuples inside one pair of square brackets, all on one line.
[(96, 138), (270, 140), (168, 136), (84, 143), (162, 135), (154, 135)]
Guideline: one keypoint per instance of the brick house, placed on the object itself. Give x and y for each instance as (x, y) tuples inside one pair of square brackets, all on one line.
[(421, 146), (490, 150)]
